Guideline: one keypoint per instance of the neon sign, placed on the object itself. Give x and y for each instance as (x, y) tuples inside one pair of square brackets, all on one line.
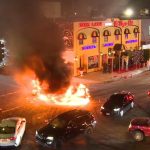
[(131, 41), (90, 24), (108, 44), (88, 47), (123, 23)]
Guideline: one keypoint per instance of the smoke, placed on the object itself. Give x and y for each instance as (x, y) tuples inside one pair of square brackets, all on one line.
[(36, 42)]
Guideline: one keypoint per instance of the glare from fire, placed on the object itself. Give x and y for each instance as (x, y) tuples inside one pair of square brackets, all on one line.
[(74, 96)]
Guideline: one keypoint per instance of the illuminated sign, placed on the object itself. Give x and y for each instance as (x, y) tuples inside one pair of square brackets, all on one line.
[(108, 24), (88, 47), (131, 41), (123, 23), (108, 44), (90, 24)]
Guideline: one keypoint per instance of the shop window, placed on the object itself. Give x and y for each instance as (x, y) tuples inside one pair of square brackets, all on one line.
[(126, 32), (81, 38), (106, 34)]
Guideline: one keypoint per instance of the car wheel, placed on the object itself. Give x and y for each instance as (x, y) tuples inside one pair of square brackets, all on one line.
[(88, 131), (132, 104), (57, 144), (121, 113), (138, 136)]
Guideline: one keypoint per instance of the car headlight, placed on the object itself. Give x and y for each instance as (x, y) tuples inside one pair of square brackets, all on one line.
[(116, 109), (36, 133), (50, 138), (102, 107)]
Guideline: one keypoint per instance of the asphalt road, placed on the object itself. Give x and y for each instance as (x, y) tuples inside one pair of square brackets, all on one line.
[(111, 132)]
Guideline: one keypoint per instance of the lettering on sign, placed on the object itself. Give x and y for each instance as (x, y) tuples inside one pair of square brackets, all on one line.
[(90, 24), (123, 23), (131, 41), (88, 47)]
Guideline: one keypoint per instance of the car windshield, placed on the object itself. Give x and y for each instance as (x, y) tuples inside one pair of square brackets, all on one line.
[(58, 123), (7, 130), (115, 99)]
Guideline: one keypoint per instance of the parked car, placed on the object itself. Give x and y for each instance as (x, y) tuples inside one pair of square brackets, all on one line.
[(118, 104), (65, 126), (139, 128), (12, 131)]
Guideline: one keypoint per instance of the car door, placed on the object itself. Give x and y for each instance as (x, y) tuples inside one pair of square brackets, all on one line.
[(126, 103), (71, 130)]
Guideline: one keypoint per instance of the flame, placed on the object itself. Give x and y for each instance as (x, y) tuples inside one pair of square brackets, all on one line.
[(74, 96)]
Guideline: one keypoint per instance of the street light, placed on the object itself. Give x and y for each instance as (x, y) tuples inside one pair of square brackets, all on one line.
[(128, 12)]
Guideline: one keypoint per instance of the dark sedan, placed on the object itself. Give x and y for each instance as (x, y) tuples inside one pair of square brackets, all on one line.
[(118, 104), (64, 127)]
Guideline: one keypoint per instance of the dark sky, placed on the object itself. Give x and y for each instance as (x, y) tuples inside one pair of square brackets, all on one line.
[(103, 7)]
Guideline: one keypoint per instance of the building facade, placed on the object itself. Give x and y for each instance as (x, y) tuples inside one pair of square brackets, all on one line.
[(96, 43)]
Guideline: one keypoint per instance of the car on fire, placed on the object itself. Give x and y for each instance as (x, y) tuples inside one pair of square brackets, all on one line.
[(11, 131), (118, 104), (139, 128), (64, 127)]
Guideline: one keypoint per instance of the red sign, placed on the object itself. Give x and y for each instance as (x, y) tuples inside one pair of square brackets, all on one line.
[(90, 24), (123, 23)]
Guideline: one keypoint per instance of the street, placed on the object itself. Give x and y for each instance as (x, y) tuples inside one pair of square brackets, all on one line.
[(111, 133)]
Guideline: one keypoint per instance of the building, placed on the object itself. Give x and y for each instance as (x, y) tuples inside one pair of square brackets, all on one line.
[(95, 43)]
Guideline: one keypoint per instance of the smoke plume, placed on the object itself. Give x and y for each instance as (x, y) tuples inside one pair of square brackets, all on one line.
[(36, 42)]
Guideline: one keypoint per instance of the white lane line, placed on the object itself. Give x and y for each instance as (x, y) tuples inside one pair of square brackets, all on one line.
[(7, 110), (11, 93)]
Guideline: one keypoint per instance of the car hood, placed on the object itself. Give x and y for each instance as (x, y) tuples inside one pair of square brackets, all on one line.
[(108, 106), (140, 121), (50, 131)]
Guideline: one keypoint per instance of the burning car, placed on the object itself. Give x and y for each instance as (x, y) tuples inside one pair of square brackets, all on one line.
[(74, 95)]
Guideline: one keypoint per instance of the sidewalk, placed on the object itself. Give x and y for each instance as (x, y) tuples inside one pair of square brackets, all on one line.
[(100, 77)]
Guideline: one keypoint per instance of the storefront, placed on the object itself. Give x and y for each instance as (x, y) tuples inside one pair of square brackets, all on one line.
[(94, 42)]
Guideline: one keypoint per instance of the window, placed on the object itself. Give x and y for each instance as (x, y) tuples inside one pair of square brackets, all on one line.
[(94, 36), (105, 38), (116, 37), (135, 35), (81, 38), (94, 40), (126, 36)]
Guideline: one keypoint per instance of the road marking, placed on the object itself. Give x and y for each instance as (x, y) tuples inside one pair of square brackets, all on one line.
[(7, 110), (9, 93)]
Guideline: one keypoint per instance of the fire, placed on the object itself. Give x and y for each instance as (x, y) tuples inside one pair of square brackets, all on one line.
[(74, 96)]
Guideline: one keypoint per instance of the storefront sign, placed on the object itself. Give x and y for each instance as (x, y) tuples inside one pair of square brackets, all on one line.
[(88, 47), (108, 44), (90, 24), (123, 23), (131, 41)]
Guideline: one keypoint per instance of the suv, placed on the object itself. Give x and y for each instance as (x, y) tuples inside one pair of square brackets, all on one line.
[(118, 104), (139, 128), (65, 126)]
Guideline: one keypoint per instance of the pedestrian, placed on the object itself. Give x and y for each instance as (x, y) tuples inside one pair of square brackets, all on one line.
[(148, 64)]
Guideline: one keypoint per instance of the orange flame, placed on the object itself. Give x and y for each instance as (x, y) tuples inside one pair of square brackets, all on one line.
[(74, 96)]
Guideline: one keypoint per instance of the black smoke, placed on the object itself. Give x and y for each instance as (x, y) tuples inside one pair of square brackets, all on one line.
[(35, 42)]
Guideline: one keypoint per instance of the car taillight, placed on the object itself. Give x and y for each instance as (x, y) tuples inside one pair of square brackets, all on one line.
[(13, 138), (148, 92)]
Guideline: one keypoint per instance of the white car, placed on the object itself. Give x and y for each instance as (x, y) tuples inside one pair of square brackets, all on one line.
[(12, 131)]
